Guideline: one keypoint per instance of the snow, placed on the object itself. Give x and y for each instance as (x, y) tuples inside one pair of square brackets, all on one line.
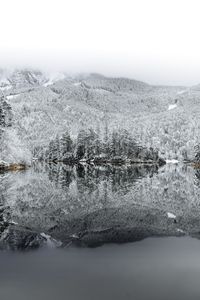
[(172, 106), (172, 161), (13, 223), (75, 236), (53, 78), (51, 243), (171, 216), (50, 82), (183, 91), (67, 108), (77, 83), (14, 150), (3, 162), (5, 88), (12, 96), (4, 83)]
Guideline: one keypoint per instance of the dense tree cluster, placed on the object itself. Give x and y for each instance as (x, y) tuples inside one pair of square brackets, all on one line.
[(115, 147), (5, 116), (197, 153), (5, 113)]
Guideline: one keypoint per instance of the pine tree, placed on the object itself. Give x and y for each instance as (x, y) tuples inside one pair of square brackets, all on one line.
[(80, 145), (66, 146)]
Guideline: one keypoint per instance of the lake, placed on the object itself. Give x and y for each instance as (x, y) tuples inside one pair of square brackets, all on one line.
[(101, 232)]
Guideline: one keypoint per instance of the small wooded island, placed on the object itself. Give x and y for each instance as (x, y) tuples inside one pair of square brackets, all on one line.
[(116, 147)]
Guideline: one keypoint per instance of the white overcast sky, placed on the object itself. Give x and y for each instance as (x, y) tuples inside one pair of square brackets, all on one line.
[(157, 41)]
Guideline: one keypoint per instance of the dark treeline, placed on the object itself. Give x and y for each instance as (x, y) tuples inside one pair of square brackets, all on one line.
[(5, 113), (5, 121), (197, 154), (115, 147)]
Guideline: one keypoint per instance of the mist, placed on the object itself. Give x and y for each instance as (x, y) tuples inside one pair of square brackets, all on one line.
[(105, 273), (153, 41)]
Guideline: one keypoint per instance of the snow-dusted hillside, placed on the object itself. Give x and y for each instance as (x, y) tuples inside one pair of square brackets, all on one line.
[(47, 105)]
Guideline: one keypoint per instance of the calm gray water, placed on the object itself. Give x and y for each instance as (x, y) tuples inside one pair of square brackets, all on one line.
[(146, 220), (155, 268)]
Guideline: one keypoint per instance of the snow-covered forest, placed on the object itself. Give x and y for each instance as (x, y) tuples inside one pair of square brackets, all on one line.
[(115, 147), (102, 129), (109, 116)]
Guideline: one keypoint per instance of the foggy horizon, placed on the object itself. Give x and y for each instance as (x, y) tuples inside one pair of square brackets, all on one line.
[(149, 76), (151, 41)]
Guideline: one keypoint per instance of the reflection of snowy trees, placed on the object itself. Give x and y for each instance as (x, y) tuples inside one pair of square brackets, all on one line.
[(197, 153), (90, 178), (63, 200)]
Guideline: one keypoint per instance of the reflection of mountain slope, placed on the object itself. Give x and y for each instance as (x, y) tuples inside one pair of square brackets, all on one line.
[(117, 225), (95, 205)]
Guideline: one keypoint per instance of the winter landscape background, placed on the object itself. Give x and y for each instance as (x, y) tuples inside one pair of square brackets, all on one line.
[(43, 107), (83, 159), (88, 162)]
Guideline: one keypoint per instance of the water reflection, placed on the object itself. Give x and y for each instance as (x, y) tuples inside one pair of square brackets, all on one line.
[(90, 176), (197, 177), (89, 205)]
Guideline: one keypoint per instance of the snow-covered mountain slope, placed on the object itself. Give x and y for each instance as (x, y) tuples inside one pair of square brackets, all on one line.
[(23, 80), (46, 105), (16, 79)]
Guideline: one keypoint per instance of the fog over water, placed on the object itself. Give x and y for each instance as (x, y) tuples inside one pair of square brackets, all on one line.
[(152, 269)]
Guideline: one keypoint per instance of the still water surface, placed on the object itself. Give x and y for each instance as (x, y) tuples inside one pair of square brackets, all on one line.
[(157, 211), (155, 268)]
